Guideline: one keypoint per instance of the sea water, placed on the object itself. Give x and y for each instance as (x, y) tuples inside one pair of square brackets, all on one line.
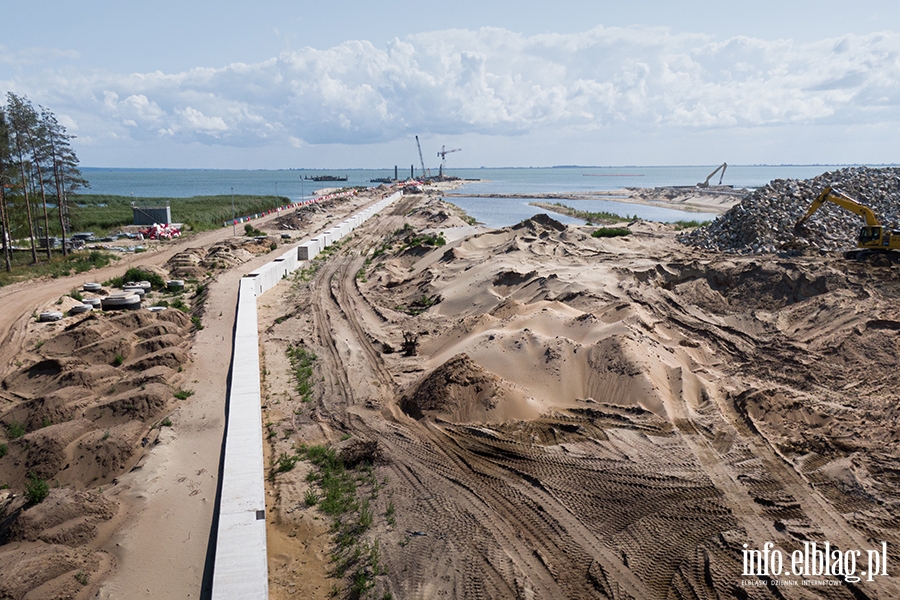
[(295, 184)]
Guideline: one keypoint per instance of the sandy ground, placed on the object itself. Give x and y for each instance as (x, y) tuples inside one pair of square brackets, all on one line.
[(582, 417), (131, 502), (578, 418), (714, 199)]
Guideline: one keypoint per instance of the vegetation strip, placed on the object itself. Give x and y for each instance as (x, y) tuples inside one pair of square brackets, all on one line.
[(589, 217)]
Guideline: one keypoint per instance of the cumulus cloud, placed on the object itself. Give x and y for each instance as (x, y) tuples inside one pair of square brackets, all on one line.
[(491, 81)]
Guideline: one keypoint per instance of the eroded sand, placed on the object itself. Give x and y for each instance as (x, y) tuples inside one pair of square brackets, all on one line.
[(587, 417)]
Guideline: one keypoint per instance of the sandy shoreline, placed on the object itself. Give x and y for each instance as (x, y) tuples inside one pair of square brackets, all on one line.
[(692, 199)]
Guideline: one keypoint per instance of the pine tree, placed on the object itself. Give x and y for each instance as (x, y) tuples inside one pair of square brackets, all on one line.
[(5, 162), (36, 159), (21, 120), (66, 177)]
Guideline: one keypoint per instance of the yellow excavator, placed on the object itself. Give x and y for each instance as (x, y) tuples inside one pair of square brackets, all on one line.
[(871, 237)]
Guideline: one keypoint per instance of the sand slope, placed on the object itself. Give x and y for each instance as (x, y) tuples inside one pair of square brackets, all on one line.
[(598, 417)]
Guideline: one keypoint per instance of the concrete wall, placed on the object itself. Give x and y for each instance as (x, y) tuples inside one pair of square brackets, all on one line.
[(240, 567), (308, 251)]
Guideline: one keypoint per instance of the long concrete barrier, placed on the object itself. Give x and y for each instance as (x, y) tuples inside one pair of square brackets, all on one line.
[(240, 567), (241, 570)]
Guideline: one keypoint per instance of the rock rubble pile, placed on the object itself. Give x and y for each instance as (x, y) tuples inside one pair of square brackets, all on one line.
[(764, 220)]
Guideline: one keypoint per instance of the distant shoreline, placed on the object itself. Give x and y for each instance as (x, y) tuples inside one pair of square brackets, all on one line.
[(687, 200)]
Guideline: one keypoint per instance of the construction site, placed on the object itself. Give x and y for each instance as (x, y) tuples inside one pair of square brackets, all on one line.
[(535, 411)]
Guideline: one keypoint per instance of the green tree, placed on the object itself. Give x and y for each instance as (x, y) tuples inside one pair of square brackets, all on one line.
[(5, 180), (21, 120), (66, 177), (36, 161)]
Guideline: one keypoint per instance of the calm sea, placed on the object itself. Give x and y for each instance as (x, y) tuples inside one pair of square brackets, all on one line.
[(494, 212)]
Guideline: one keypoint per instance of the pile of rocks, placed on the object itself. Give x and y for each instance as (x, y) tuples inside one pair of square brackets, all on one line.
[(764, 220)]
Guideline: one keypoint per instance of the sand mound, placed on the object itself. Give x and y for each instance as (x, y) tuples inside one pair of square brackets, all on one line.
[(39, 570), (66, 517), (86, 399), (194, 263), (461, 391)]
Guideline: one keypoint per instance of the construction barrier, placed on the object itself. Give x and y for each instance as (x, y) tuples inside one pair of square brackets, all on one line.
[(240, 569)]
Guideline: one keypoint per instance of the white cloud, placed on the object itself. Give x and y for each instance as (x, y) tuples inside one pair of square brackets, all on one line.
[(35, 56), (490, 81)]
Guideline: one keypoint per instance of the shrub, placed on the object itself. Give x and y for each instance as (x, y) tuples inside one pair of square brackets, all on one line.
[(3, 450), (679, 225), (118, 360), (36, 490), (286, 463), (135, 274), (611, 232), (15, 430), (184, 394)]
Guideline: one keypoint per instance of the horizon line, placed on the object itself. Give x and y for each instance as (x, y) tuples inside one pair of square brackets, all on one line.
[(483, 168)]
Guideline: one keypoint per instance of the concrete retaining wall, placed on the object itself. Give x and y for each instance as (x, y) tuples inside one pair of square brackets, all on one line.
[(241, 567)]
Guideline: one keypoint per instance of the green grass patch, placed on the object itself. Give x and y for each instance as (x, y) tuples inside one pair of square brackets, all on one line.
[(588, 216), (679, 225), (102, 213), (58, 266), (286, 463), (302, 363), (36, 490), (15, 430), (356, 559), (604, 232)]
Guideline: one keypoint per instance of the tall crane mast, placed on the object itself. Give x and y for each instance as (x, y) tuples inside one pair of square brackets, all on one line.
[(421, 160), (443, 156)]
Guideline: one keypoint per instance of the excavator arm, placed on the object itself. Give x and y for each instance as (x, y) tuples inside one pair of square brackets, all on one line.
[(722, 168), (844, 201)]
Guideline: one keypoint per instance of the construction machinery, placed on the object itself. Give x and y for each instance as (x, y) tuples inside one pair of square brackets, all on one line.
[(721, 167), (443, 156), (425, 174), (871, 237)]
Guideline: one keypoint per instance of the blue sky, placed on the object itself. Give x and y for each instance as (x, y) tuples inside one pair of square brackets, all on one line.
[(280, 84)]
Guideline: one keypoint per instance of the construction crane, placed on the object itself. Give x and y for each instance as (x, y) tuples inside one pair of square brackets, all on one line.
[(421, 160), (443, 156), (705, 184)]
